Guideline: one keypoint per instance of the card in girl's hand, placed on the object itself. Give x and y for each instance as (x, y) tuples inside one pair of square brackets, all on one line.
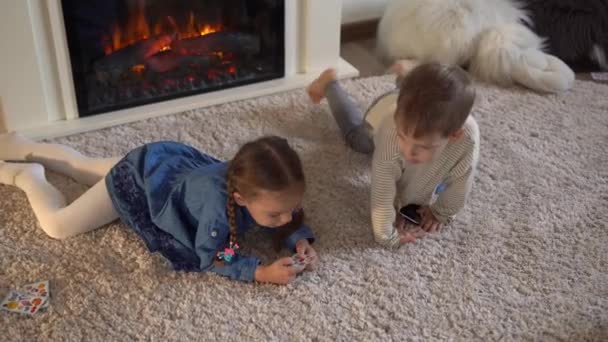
[(22, 303), (298, 260)]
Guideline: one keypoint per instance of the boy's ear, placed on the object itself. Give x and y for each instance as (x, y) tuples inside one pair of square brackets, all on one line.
[(240, 200), (456, 135)]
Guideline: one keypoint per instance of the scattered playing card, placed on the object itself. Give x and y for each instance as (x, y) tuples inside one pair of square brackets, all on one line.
[(27, 300), (21, 303), (40, 288), (600, 76)]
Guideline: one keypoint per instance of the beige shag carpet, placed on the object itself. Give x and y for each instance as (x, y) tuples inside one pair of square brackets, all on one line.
[(526, 260)]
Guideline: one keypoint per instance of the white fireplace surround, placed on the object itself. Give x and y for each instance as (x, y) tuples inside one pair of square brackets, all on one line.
[(36, 87)]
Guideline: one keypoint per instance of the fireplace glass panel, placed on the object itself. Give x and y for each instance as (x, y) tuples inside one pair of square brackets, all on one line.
[(126, 53)]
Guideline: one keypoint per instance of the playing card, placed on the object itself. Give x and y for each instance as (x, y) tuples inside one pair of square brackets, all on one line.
[(600, 76), (298, 260), (40, 289), (21, 303), (28, 299)]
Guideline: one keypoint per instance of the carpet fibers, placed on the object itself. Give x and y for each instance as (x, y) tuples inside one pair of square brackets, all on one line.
[(526, 260)]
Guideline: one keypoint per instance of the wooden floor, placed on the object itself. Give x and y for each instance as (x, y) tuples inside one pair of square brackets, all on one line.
[(361, 54)]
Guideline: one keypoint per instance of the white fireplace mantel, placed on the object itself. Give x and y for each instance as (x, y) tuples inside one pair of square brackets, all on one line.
[(36, 88)]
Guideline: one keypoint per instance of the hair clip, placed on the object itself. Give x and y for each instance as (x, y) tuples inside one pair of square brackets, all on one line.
[(228, 253)]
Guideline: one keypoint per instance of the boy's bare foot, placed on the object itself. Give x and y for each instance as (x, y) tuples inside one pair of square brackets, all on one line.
[(316, 90), (403, 66)]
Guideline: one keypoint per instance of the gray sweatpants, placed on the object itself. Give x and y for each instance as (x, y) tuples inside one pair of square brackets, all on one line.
[(349, 118)]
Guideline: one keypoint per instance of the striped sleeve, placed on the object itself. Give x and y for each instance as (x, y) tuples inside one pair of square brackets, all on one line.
[(460, 178), (386, 172)]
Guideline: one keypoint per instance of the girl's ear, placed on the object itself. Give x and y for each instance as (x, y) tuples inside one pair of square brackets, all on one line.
[(240, 200)]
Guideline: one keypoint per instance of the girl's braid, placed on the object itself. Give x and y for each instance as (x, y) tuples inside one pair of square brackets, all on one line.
[(230, 210)]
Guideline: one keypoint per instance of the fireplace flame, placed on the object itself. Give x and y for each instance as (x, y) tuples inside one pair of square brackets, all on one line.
[(138, 28)]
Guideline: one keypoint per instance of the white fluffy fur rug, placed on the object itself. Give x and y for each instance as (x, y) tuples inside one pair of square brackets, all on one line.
[(488, 36), (526, 260)]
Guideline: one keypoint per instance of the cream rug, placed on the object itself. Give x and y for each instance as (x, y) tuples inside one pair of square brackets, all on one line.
[(526, 260)]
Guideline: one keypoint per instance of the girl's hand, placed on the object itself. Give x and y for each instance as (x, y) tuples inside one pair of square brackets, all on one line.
[(305, 250), (429, 223), (282, 271)]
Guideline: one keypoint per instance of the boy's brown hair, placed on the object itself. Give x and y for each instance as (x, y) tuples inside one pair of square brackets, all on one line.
[(434, 99)]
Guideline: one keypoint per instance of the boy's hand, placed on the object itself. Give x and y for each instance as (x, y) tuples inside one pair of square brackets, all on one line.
[(402, 67), (305, 250), (406, 237), (428, 223), (408, 233)]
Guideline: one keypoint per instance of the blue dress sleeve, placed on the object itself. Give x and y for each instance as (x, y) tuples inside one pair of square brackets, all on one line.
[(304, 232), (210, 239), (240, 268)]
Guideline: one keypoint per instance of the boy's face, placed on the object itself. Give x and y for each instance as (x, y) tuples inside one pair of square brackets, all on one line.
[(420, 150)]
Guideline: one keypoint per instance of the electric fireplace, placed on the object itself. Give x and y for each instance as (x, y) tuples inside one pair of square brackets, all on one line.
[(71, 66), (126, 53)]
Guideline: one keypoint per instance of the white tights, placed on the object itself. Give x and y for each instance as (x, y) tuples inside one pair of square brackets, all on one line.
[(58, 219)]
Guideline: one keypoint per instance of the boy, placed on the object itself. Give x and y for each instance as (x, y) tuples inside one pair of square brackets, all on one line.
[(426, 146)]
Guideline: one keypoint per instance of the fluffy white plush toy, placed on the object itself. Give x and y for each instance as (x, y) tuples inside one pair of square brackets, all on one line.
[(487, 36)]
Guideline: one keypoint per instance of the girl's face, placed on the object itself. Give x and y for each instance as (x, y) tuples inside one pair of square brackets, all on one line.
[(271, 208)]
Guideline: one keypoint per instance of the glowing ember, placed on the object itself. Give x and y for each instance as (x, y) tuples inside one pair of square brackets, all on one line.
[(208, 29), (138, 69)]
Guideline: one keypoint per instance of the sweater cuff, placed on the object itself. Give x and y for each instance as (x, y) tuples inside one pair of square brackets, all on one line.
[(303, 233), (248, 269), (443, 219)]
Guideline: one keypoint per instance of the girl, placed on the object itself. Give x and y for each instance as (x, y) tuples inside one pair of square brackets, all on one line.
[(185, 204)]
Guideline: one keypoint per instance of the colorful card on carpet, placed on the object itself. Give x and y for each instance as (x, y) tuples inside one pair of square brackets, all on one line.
[(600, 76), (21, 303), (40, 289)]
